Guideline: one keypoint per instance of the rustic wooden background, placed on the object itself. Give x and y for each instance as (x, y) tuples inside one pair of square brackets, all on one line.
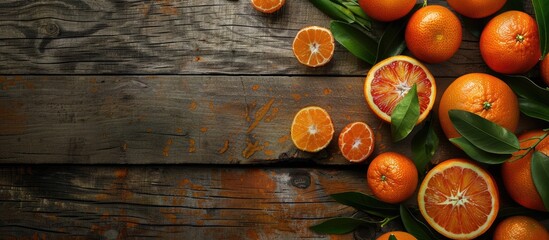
[(170, 119)]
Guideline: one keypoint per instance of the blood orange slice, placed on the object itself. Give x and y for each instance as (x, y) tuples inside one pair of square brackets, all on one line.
[(458, 199), (312, 129), (388, 81), (356, 141)]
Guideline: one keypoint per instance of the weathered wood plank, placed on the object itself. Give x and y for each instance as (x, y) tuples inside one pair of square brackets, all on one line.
[(176, 202), (177, 119), (173, 37)]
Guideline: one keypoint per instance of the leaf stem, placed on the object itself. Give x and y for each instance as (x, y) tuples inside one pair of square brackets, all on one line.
[(388, 219), (530, 148)]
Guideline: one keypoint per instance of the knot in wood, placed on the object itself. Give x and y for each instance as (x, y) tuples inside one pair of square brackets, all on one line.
[(300, 179), (50, 29)]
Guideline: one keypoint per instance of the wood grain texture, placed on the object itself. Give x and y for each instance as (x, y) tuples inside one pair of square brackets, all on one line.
[(177, 119), (171, 202), (174, 37)]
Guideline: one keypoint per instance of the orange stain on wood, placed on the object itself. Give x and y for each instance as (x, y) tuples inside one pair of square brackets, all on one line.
[(124, 147), (327, 91), (179, 130), (193, 105), (149, 130), (121, 173), (15, 82), (283, 139), (271, 116), (249, 109), (203, 129), (197, 58), (167, 7), (251, 148), (12, 121), (224, 148), (166, 149), (145, 8), (252, 234), (260, 114), (296, 97), (211, 106), (255, 87), (192, 147), (268, 152), (171, 217)]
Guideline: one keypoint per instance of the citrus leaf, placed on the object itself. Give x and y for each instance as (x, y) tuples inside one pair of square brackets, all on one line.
[(341, 225), (366, 203), (541, 10), (392, 41), (414, 226), (405, 115), (392, 237), (424, 145), (534, 109), (540, 175), (477, 153), (483, 133), (333, 10), (526, 88), (354, 40), (359, 14)]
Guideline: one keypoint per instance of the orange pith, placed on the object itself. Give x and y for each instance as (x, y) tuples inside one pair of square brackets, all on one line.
[(509, 43), (313, 46), (268, 6), (388, 81), (356, 141), (517, 174), (476, 8), (392, 177), (458, 199), (312, 129), (386, 10), (398, 234), (433, 34), (482, 94)]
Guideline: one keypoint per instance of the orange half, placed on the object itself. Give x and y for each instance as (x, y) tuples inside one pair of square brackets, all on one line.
[(267, 6), (312, 129), (458, 199), (314, 46), (356, 141)]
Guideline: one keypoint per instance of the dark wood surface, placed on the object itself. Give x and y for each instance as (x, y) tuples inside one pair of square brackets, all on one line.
[(165, 119)]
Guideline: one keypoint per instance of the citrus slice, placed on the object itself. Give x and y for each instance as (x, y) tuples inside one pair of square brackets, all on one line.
[(312, 129), (458, 199), (388, 81), (314, 46), (268, 6), (356, 141)]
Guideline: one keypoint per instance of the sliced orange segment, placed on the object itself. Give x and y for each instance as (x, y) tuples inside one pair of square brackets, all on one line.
[(314, 46), (356, 141), (312, 129), (268, 6), (388, 81), (458, 199)]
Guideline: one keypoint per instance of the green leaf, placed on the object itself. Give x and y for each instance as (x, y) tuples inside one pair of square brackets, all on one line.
[(424, 145), (354, 40), (405, 115), (341, 225), (526, 88), (359, 14), (392, 237), (541, 10), (483, 133), (333, 10), (366, 203), (478, 154), (534, 109), (392, 41), (540, 175), (414, 226)]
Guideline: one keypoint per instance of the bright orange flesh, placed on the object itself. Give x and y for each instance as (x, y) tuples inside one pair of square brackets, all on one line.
[(398, 234), (314, 46), (458, 199), (268, 6), (388, 81), (392, 177), (312, 129), (356, 141), (476, 8), (520, 227)]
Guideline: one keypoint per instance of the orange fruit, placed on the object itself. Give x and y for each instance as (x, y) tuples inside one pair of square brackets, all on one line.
[(433, 34), (267, 6), (520, 228), (509, 43), (392, 177), (517, 174), (314, 46), (458, 199), (356, 141), (312, 129), (482, 94), (476, 8), (388, 81), (398, 234), (544, 69), (386, 10)]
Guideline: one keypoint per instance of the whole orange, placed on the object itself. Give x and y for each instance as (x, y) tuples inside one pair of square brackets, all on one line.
[(517, 174), (398, 234), (509, 43), (392, 177), (482, 94), (433, 34), (520, 227), (544, 69), (476, 8), (386, 10)]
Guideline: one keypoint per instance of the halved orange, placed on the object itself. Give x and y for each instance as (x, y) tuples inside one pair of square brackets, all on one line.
[(268, 6), (314, 46), (459, 199), (312, 129), (389, 81), (356, 141)]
